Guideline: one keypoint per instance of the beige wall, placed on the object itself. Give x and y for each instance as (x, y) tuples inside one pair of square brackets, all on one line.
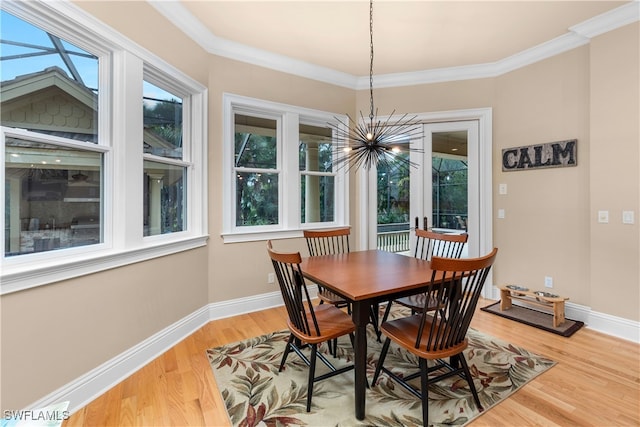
[(545, 229), (590, 94), (240, 269), (136, 20), (53, 334), (614, 184)]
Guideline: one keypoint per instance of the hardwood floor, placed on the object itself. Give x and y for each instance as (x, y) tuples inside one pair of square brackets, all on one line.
[(595, 383)]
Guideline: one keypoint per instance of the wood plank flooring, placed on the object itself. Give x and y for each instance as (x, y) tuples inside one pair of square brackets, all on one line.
[(595, 383)]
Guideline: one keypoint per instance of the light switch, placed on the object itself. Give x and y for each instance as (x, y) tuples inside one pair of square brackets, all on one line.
[(603, 217), (628, 217), (502, 188), (500, 213)]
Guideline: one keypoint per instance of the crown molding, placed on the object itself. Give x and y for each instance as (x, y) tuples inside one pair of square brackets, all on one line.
[(608, 21), (578, 35), (176, 13)]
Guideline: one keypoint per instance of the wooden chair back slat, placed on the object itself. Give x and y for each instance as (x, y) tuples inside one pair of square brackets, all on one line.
[(294, 291), (430, 244), (457, 285), (326, 242)]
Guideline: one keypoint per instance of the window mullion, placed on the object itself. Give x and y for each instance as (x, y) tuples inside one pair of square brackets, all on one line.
[(126, 206), (290, 195)]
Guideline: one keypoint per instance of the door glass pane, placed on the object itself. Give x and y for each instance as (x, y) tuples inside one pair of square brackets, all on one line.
[(162, 112), (393, 204), (52, 197), (48, 85), (449, 180)]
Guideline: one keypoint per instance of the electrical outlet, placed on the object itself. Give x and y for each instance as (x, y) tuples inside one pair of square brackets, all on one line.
[(603, 217), (627, 217), (271, 278), (548, 282), (502, 189)]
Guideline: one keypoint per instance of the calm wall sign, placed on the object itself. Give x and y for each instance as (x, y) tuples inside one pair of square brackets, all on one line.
[(550, 155)]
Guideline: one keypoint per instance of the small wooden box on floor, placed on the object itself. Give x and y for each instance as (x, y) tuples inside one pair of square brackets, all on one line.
[(557, 303)]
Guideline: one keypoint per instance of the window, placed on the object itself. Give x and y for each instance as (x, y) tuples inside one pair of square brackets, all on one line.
[(256, 168), (53, 194), (317, 178), (279, 171), (94, 176), (165, 171)]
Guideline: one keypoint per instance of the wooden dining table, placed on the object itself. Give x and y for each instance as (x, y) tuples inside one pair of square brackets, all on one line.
[(365, 278)]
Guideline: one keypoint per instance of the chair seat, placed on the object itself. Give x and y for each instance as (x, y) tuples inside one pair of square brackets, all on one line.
[(331, 298), (417, 303), (404, 331), (335, 323)]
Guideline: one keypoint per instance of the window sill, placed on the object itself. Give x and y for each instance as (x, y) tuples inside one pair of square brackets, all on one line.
[(19, 278), (257, 236), (264, 235)]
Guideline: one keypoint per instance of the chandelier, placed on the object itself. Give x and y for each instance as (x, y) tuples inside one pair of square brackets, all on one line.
[(373, 142)]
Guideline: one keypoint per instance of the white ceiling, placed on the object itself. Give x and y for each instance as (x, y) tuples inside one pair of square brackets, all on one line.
[(331, 38)]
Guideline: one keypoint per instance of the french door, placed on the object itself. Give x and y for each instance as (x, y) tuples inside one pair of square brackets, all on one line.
[(450, 184), (445, 185)]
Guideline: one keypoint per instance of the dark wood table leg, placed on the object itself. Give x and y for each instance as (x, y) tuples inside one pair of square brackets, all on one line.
[(360, 316)]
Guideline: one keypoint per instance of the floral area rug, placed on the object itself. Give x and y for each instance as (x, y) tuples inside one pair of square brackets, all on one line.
[(256, 394)]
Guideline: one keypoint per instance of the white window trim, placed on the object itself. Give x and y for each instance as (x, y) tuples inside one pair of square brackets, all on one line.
[(289, 182), (123, 241)]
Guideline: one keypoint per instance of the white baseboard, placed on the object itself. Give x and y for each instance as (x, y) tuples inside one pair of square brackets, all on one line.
[(97, 381)]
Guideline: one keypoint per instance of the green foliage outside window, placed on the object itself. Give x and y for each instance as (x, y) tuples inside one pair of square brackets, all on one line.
[(393, 192), (257, 192), (449, 178)]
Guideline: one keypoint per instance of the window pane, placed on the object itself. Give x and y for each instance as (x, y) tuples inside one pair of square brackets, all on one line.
[(52, 197), (255, 142), (164, 198), (449, 180), (393, 192), (162, 113), (318, 198), (48, 85), (256, 198), (315, 149)]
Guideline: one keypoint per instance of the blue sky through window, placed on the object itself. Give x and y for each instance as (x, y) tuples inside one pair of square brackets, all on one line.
[(22, 38)]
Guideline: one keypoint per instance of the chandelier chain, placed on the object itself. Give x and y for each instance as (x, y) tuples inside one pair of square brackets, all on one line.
[(371, 115), (378, 143)]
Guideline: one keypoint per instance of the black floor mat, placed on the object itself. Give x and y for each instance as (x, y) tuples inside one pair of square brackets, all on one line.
[(535, 318)]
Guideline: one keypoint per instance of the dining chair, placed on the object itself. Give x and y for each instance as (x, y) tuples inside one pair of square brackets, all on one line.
[(309, 325), (328, 242), (428, 244), (435, 335)]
